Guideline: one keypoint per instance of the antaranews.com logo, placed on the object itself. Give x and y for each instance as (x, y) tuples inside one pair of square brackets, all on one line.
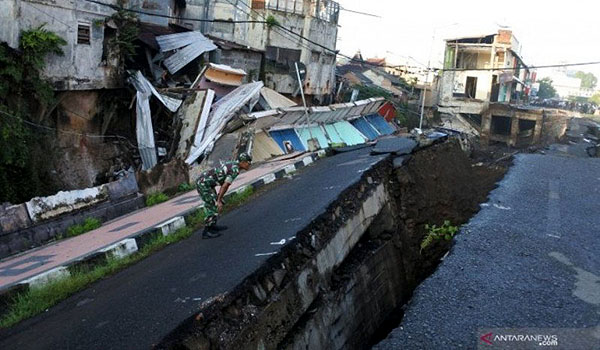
[(538, 338)]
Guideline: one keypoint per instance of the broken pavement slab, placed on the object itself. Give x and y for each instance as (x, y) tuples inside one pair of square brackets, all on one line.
[(396, 145)]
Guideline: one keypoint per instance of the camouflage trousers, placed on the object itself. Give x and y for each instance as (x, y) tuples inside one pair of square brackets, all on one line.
[(206, 189)]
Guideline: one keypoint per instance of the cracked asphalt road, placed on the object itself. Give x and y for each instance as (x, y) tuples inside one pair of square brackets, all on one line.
[(530, 258), (138, 306)]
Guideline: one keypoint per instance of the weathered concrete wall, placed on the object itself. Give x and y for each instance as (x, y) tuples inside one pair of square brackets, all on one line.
[(44, 208), (82, 66), (32, 224), (164, 177)]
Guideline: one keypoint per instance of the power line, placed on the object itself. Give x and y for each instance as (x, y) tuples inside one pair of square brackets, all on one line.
[(360, 13), (47, 128), (515, 68), (117, 8), (336, 52)]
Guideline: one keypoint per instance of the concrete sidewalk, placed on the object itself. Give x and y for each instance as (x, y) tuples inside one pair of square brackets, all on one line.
[(122, 236)]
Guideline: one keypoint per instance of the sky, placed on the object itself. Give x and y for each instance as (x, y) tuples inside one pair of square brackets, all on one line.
[(549, 32)]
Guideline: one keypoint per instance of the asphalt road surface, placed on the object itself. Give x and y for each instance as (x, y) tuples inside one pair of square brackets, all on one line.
[(529, 259), (135, 308)]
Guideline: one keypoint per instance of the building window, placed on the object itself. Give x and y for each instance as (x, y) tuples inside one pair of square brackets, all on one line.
[(282, 55), (327, 10), (314, 57), (83, 33), (291, 6)]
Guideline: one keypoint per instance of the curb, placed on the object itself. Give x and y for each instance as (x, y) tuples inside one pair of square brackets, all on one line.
[(138, 240)]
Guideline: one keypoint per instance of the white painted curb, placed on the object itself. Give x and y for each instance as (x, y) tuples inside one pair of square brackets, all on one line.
[(170, 226)]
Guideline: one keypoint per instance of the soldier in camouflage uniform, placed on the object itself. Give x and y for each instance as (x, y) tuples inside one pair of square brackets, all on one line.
[(213, 202)]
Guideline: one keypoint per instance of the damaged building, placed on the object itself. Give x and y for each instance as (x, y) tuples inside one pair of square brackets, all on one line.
[(483, 88), (315, 20)]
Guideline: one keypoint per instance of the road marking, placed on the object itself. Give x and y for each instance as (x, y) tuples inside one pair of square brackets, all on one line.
[(265, 254), (293, 219), (553, 211), (282, 242), (501, 207)]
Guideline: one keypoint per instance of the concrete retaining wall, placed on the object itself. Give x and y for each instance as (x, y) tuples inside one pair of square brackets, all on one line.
[(40, 220)]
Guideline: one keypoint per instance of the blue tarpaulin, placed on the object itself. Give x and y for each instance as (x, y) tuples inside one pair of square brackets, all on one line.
[(317, 132), (380, 124), (365, 128), (287, 135)]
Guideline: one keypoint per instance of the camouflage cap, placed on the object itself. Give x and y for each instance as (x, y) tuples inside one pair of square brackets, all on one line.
[(244, 157)]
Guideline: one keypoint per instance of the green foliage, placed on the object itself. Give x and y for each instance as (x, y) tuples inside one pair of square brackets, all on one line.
[(156, 198), (37, 43), (588, 80), (595, 99), (88, 225), (23, 93), (272, 21), (546, 89), (435, 233), (185, 187), (238, 198), (122, 45)]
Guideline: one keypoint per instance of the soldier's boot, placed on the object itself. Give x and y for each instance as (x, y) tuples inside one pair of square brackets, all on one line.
[(209, 232), (218, 227)]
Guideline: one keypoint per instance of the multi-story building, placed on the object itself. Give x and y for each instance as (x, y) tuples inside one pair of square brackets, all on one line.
[(315, 20), (482, 70), (86, 64)]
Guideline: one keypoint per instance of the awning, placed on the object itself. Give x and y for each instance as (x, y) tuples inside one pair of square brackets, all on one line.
[(225, 75)]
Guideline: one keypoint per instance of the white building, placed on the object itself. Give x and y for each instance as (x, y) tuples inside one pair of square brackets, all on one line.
[(479, 70)]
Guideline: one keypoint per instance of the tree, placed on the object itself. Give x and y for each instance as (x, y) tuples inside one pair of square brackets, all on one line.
[(546, 89), (595, 99), (588, 80)]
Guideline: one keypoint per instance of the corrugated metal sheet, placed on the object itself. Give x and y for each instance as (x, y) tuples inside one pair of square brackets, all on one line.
[(141, 84), (175, 41), (287, 135), (294, 116), (316, 132), (349, 134), (365, 128), (144, 131), (222, 112), (380, 124), (333, 134), (186, 55)]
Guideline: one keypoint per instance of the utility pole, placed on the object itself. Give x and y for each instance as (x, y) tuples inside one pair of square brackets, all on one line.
[(303, 102), (428, 71)]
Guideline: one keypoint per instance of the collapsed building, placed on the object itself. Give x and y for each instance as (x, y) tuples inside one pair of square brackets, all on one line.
[(484, 90), (180, 46)]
